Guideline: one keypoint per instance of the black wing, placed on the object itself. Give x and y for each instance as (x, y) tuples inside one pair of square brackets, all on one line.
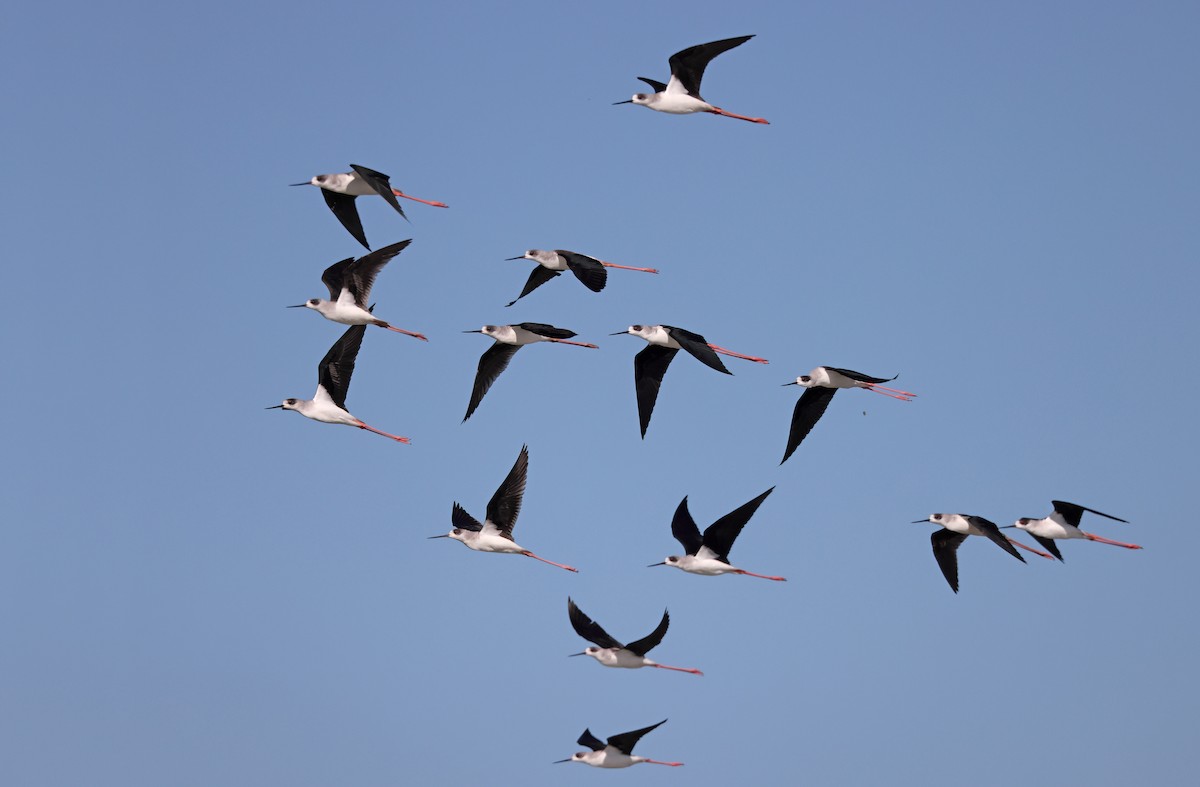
[(625, 742), (334, 276), (688, 65), (587, 269), (1073, 514), (647, 643), (1050, 546), (809, 409), (361, 275), (720, 535), (505, 505), (491, 364), (993, 532), (697, 346), (542, 329), (335, 369), (537, 277), (859, 376), (945, 549), (659, 87), (683, 527), (649, 366), (464, 521), (343, 207), (381, 184), (590, 629), (590, 740)]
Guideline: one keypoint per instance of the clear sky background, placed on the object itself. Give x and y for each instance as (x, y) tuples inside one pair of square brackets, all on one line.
[(999, 203)]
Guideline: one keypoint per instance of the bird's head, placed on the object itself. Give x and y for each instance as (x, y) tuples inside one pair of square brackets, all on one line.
[(673, 560), (318, 180), (458, 534), (638, 98), (579, 756), (937, 519), (1023, 523), (288, 404)]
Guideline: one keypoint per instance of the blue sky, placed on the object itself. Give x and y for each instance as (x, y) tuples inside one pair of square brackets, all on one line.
[(996, 202)]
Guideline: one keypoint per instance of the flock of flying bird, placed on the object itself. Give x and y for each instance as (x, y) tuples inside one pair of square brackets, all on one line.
[(349, 282)]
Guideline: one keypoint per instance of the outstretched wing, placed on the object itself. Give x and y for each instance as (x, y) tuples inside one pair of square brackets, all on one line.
[(335, 369), (381, 184), (590, 740), (360, 277), (505, 505), (537, 277), (1073, 514), (809, 409), (334, 277), (625, 742), (647, 643), (464, 521), (543, 329), (491, 364), (683, 527), (992, 531), (590, 629), (688, 64), (945, 551), (720, 535), (344, 208), (649, 366), (659, 87), (697, 345), (1050, 546), (587, 269), (859, 376)]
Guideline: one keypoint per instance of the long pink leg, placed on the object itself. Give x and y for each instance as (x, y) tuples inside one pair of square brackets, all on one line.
[(1030, 549), (660, 762), (527, 553), (893, 390), (719, 111), (760, 576), (398, 439), (434, 203), (627, 267), (723, 351), (874, 389), (577, 344), (1110, 541), (678, 669), (420, 336)]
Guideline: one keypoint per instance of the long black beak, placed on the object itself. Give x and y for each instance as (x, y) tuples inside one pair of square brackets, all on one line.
[(793, 382), (443, 535), (580, 653), (297, 306), (305, 183), (618, 333), (919, 521), (556, 762), (276, 407), (1006, 527), (626, 101), (510, 259), (472, 331), (652, 565)]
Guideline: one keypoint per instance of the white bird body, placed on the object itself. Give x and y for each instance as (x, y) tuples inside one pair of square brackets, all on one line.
[(705, 562), (487, 540), (513, 334), (550, 260), (608, 757), (957, 523), (321, 408), (674, 100), (1053, 526), (344, 183), (621, 658), (343, 310), (823, 377), (655, 334)]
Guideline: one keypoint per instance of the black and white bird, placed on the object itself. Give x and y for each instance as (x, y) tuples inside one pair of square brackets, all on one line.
[(617, 752), (708, 554), (681, 95), (651, 364), (495, 532), (349, 282), (612, 653), (1064, 523), (822, 383), (509, 339), (328, 404), (342, 188), (955, 529), (551, 263)]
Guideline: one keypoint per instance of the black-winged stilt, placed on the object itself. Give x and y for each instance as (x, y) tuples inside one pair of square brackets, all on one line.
[(681, 96), (495, 533), (822, 383), (651, 364), (709, 554), (509, 339), (612, 653), (551, 263), (349, 282), (1064, 523), (617, 752), (328, 404), (342, 188)]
